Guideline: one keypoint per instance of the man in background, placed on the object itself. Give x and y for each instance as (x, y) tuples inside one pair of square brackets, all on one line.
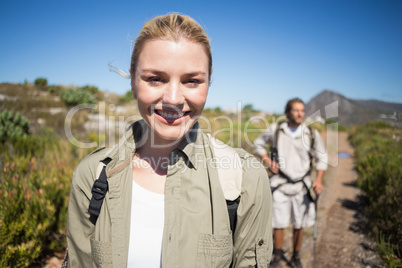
[(294, 146)]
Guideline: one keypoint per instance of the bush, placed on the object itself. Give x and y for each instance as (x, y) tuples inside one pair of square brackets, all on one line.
[(40, 82), (33, 205), (127, 97), (13, 126), (72, 97), (56, 90), (378, 162), (90, 89), (34, 190)]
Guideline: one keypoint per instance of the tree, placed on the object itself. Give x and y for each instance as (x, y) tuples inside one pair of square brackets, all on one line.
[(40, 82), (217, 109), (248, 108)]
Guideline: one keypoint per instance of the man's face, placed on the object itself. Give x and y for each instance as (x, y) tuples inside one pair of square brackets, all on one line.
[(296, 114)]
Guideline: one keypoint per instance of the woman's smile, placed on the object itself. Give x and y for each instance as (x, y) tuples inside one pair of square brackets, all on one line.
[(171, 117)]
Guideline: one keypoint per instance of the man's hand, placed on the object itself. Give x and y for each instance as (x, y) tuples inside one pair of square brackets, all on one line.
[(274, 167), (317, 185)]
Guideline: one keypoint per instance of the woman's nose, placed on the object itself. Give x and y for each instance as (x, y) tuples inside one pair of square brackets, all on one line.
[(173, 94)]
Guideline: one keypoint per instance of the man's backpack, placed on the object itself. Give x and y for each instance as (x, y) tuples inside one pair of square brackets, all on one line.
[(274, 146), (274, 157)]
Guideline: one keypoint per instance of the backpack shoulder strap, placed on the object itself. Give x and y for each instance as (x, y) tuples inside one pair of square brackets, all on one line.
[(312, 136), (274, 145), (230, 171), (99, 189), (230, 177), (312, 140)]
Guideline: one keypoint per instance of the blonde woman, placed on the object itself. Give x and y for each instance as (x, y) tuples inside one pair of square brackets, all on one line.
[(165, 203)]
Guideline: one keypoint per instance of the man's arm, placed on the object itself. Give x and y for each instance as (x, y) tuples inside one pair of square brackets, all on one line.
[(260, 148), (321, 161)]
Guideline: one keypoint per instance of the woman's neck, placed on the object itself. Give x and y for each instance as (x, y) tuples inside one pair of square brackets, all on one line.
[(156, 153)]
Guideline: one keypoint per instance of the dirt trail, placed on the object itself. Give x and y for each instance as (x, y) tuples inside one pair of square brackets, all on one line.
[(341, 240)]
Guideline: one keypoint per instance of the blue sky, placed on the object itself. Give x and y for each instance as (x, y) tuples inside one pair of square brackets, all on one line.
[(264, 52)]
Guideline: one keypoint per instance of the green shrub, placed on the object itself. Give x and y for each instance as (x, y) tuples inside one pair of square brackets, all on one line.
[(90, 89), (55, 89), (40, 82), (72, 97), (387, 252), (378, 162), (13, 126), (35, 178), (33, 205), (127, 97)]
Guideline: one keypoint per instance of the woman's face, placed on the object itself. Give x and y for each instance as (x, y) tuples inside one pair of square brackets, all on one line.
[(171, 85)]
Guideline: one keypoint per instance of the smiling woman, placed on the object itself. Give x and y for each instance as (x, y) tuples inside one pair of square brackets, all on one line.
[(166, 195)]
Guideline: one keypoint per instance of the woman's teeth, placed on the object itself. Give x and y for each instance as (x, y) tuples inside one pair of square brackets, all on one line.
[(171, 116)]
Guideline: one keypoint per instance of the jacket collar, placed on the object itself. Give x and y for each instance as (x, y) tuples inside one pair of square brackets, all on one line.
[(193, 146), (121, 154)]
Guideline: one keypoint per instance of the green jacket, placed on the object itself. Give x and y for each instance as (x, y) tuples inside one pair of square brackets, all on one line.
[(197, 230)]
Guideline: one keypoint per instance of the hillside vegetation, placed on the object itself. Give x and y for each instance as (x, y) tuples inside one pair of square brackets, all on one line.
[(36, 166), (43, 136), (378, 151)]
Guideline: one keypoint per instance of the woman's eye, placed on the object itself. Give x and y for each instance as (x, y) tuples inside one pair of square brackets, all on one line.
[(154, 80), (192, 82)]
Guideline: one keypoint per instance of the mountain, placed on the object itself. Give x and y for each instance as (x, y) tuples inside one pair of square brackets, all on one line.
[(345, 111)]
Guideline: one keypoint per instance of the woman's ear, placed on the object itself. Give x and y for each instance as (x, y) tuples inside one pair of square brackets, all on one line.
[(133, 84)]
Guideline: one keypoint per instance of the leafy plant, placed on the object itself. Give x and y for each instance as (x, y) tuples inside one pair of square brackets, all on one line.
[(72, 97), (388, 252), (34, 190), (40, 82), (54, 89), (13, 126), (378, 162), (90, 89), (33, 204), (127, 97)]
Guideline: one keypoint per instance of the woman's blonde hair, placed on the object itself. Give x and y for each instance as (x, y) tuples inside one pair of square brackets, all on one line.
[(171, 27)]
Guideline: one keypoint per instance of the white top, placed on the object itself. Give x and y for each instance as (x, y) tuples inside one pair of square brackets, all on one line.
[(295, 131), (146, 228)]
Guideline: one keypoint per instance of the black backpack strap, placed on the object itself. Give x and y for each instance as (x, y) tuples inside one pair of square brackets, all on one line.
[(274, 145), (232, 211), (312, 140), (289, 180), (99, 189)]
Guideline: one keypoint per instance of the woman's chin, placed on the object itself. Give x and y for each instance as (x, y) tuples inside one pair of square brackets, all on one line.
[(169, 137)]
